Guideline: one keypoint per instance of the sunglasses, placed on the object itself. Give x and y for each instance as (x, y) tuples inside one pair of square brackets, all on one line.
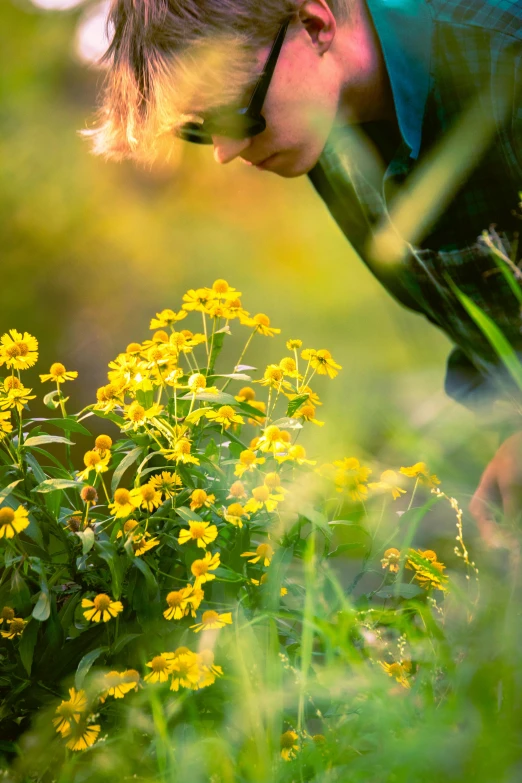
[(237, 123)]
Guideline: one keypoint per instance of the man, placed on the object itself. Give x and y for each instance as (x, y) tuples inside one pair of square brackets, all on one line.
[(406, 116)]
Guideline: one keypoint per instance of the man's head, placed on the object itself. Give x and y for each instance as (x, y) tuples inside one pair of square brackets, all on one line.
[(173, 60)]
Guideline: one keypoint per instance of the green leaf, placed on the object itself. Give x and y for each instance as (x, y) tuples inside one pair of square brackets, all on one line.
[(110, 416), (42, 610), (126, 462), (287, 423), (50, 485), (218, 397), (493, 334), (6, 491), (35, 467), (108, 553), (27, 645), (51, 400), (188, 515), (403, 590), (124, 640), (344, 548), (85, 665), (87, 538), (145, 398), (68, 425), (226, 574), (40, 439), (296, 403), (150, 581)]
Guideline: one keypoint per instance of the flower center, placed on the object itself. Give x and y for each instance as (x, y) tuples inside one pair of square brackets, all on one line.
[(261, 494), (175, 598), (122, 497), (7, 515), (137, 413), (7, 613), (102, 602), (147, 492), (198, 530), (13, 351), (57, 369), (209, 616), (199, 567), (159, 664), (226, 411)]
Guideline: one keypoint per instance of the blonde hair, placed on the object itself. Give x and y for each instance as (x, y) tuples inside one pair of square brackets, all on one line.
[(167, 57)]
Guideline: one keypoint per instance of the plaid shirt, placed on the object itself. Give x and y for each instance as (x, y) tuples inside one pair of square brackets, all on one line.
[(440, 55)]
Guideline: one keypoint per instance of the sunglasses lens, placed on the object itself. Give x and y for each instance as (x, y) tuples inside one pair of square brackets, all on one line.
[(193, 131)]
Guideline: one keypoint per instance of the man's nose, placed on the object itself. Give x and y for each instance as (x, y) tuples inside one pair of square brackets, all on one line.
[(226, 149)]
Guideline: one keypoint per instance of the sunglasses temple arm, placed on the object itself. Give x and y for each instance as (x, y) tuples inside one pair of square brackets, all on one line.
[(261, 89)]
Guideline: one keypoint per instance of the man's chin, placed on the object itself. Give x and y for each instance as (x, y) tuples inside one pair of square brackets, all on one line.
[(289, 169)]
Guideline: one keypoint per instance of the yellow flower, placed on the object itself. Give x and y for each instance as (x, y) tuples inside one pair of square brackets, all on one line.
[(263, 552), (18, 351), (237, 491), (181, 452), (82, 736), (391, 559), (200, 498), (247, 462), (202, 532), (6, 615), (234, 514), (167, 483), (103, 607), (70, 711), (93, 460), (167, 317), (103, 443), (185, 670), (146, 496), (261, 324), (59, 374), (389, 482), (246, 394), (161, 667), (5, 423), (225, 415), (351, 477), (420, 471), (289, 745), (429, 573), (225, 291), (143, 543), (16, 627), (262, 496), (178, 601), (273, 439), (138, 416), (117, 684), (322, 362), (296, 453), (128, 528), (307, 412), (108, 397), (398, 670), (123, 504), (16, 398), (272, 376), (196, 382), (289, 367), (294, 345), (198, 299), (208, 670), (211, 620), (12, 522), (200, 568)]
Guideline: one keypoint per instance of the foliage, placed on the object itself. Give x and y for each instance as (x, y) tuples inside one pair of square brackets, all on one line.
[(192, 600)]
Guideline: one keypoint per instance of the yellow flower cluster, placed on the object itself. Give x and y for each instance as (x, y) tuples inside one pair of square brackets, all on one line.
[(185, 669)]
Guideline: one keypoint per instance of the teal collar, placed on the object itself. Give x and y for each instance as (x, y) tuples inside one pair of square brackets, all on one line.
[(404, 29)]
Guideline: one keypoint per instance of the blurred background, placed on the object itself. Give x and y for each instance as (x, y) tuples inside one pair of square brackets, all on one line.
[(91, 250)]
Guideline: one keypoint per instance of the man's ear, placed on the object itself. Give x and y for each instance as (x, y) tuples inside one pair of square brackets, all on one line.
[(319, 22)]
